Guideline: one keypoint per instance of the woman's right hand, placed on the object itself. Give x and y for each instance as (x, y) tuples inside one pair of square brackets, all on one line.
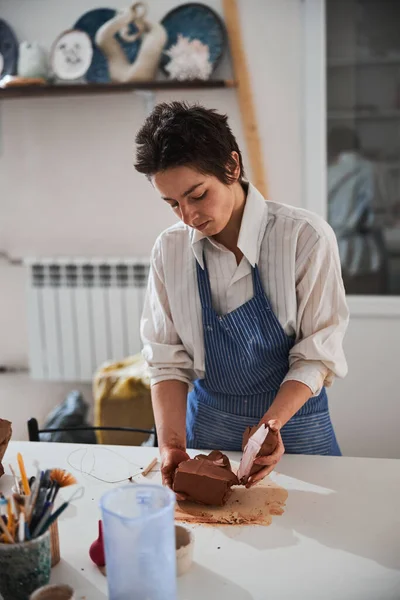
[(170, 459)]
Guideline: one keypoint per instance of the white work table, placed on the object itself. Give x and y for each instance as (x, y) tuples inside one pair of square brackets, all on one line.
[(338, 539)]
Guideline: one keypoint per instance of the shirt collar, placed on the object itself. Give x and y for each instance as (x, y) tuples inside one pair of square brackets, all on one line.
[(251, 229)]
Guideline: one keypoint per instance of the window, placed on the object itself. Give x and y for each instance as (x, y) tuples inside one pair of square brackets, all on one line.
[(363, 141)]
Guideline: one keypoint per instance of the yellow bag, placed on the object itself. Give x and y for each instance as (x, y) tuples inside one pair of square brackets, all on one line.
[(122, 399)]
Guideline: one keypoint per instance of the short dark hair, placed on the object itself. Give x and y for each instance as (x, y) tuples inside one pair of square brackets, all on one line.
[(177, 134)]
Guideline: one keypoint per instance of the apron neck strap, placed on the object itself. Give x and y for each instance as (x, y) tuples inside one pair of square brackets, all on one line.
[(205, 287), (204, 284), (257, 285)]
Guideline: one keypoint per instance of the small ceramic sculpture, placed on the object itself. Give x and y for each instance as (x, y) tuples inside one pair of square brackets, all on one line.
[(32, 61), (71, 55), (190, 59), (153, 38)]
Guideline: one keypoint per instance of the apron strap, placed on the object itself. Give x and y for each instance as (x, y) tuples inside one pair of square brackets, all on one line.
[(257, 285), (204, 285)]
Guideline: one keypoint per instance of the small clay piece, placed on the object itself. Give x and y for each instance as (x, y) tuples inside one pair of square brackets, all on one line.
[(205, 479), (5, 436), (267, 447)]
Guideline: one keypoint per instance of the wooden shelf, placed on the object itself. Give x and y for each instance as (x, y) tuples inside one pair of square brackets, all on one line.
[(67, 89)]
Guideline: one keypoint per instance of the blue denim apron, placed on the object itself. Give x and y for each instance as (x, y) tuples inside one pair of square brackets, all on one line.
[(246, 360)]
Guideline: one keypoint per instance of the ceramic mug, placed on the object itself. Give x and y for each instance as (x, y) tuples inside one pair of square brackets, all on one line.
[(24, 567), (184, 540), (54, 592)]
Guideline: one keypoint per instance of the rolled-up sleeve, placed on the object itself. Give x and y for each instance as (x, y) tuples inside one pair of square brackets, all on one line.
[(317, 356), (163, 350)]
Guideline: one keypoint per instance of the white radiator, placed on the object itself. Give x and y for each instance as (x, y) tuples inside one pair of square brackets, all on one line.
[(82, 313)]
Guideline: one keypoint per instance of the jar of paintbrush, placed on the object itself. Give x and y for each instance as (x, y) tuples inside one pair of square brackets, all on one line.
[(29, 542)]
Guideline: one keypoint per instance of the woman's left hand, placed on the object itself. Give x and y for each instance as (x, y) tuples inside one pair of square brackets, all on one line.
[(269, 462)]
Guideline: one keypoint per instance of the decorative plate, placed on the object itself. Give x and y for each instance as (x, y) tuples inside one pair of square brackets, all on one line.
[(195, 21), (90, 22), (8, 50), (71, 55)]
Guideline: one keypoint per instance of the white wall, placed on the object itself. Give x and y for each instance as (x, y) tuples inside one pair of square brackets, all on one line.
[(68, 187), (67, 182)]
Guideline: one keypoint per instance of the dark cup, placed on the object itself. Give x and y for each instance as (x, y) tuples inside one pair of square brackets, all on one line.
[(24, 567)]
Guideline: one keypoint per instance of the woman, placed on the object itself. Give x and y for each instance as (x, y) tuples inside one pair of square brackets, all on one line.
[(245, 306)]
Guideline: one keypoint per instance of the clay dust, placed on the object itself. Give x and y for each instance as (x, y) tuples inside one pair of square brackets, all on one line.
[(253, 506)]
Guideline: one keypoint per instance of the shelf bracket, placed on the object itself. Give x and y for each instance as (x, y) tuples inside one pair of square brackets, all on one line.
[(149, 99)]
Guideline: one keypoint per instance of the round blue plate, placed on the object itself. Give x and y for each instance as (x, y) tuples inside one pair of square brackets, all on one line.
[(90, 22), (195, 21), (8, 49)]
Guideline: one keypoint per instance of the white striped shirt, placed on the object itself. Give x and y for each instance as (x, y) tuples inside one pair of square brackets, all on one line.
[(297, 255)]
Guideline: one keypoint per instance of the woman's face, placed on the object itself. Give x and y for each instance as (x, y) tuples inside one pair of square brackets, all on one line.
[(200, 201)]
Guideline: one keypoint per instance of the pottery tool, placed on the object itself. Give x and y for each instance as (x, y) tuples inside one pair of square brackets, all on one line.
[(19, 503), (21, 527), (10, 518), (150, 467), (5, 531), (25, 483), (3, 507), (250, 452), (16, 482), (26, 516)]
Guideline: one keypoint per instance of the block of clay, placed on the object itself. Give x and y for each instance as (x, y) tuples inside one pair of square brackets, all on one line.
[(267, 447), (205, 479), (5, 436)]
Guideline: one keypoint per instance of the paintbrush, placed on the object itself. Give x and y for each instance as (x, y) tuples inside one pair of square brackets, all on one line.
[(39, 507), (60, 479), (31, 500), (75, 496)]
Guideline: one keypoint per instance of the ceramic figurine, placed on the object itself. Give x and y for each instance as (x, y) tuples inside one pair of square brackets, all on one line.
[(71, 55), (32, 61), (190, 59), (153, 38)]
